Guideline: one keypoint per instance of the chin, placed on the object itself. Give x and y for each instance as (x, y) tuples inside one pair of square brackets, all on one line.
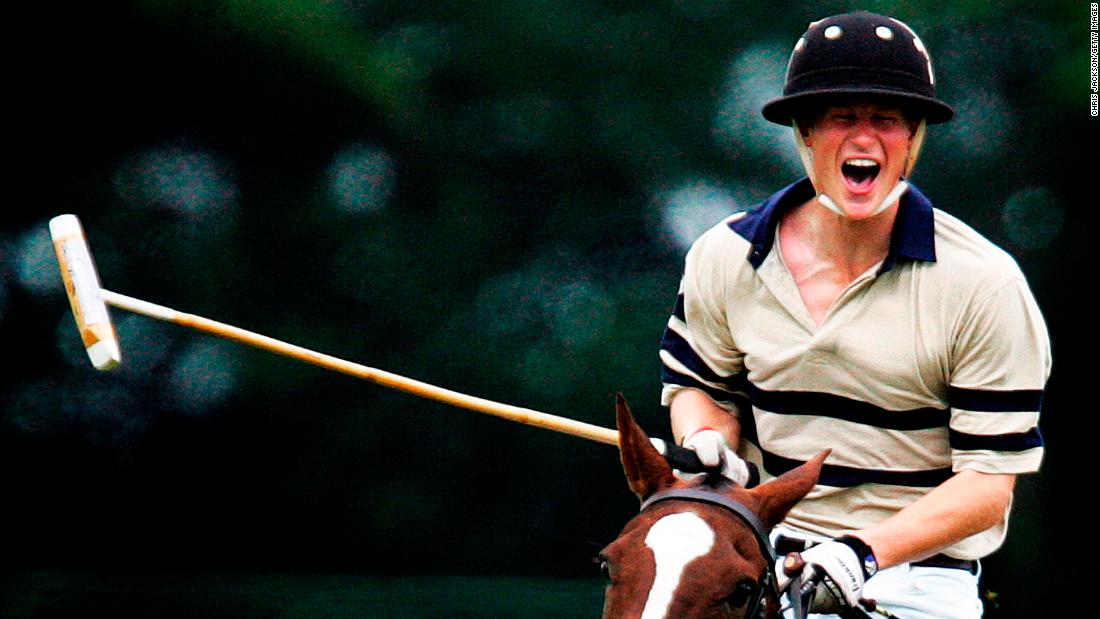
[(857, 212), (858, 208), (864, 205)]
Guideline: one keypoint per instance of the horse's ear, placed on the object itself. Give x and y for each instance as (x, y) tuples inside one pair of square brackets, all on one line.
[(646, 469), (776, 497)]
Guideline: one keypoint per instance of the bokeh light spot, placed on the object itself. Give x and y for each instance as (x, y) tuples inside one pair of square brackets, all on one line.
[(982, 125), (754, 77), (35, 263), (692, 208), (581, 312), (506, 303), (202, 377), (145, 344), (190, 182), (362, 178), (1033, 218), (550, 314)]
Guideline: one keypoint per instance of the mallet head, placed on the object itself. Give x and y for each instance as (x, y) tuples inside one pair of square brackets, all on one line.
[(82, 285)]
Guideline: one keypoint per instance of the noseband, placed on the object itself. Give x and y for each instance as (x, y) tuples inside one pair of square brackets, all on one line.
[(767, 583)]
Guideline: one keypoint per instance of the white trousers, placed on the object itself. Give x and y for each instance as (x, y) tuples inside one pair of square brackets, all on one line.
[(920, 592)]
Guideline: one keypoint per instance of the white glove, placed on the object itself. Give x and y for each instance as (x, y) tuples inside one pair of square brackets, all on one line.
[(713, 452), (843, 575)]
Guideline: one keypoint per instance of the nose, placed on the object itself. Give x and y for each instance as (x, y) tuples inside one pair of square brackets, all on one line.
[(862, 132)]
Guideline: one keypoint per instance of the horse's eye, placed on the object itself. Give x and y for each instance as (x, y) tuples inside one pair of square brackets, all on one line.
[(741, 593), (605, 567)]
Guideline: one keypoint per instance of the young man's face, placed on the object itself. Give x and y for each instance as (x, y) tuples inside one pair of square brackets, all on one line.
[(859, 153)]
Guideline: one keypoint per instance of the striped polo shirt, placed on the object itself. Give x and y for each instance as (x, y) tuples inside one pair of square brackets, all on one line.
[(932, 362)]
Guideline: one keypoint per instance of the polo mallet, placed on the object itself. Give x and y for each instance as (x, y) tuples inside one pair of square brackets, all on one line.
[(89, 303)]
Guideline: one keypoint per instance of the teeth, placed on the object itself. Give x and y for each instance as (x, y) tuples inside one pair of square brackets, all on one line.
[(862, 163)]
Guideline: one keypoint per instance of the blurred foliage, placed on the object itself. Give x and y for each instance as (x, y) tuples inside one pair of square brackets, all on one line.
[(507, 234), (231, 595)]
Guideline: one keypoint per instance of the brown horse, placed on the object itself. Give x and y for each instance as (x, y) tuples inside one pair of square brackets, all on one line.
[(697, 549)]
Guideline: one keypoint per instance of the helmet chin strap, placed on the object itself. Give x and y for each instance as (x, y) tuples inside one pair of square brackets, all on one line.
[(892, 196)]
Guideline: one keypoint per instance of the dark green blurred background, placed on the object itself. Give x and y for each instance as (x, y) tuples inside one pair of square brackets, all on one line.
[(489, 196)]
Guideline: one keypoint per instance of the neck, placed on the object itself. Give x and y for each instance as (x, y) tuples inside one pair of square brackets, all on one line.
[(851, 245)]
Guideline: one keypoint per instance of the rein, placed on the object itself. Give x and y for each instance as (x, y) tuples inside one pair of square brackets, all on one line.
[(767, 582)]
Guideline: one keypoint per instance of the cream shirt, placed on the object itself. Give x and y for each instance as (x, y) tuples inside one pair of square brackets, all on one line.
[(931, 363)]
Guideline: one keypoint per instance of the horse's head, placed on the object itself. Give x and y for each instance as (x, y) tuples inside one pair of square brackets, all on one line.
[(692, 559)]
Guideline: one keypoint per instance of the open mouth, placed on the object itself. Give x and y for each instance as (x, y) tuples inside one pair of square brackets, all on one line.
[(860, 173)]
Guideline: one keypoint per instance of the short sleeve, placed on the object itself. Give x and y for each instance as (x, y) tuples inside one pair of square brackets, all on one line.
[(1001, 363), (697, 349)]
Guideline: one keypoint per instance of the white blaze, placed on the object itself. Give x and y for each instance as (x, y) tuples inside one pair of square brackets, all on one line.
[(675, 541)]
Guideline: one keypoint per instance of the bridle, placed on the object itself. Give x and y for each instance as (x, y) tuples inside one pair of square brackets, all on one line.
[(767, 582)]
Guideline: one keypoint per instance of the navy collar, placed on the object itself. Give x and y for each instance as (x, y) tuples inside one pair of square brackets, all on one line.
[(913, 237)]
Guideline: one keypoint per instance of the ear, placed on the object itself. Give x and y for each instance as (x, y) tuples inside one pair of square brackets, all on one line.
[(776, 497), (646, 469)]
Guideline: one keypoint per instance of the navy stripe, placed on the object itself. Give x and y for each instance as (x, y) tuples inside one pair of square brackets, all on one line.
[(847, 409), (678, 311), (672, 377), (1021, 441), (675, 344), (847, 477), (1019, 401)]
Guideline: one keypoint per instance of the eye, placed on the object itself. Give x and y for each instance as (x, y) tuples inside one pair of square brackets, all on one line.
[(741, 593), (605, 567), (886, 122), (843, 118)]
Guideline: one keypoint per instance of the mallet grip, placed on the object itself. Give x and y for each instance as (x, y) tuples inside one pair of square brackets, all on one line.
[(683, 459)]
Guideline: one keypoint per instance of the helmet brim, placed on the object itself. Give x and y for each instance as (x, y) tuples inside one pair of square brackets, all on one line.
[(782, 110)]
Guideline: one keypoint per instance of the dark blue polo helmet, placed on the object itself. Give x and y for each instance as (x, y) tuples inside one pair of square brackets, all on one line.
[(859, 53)]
